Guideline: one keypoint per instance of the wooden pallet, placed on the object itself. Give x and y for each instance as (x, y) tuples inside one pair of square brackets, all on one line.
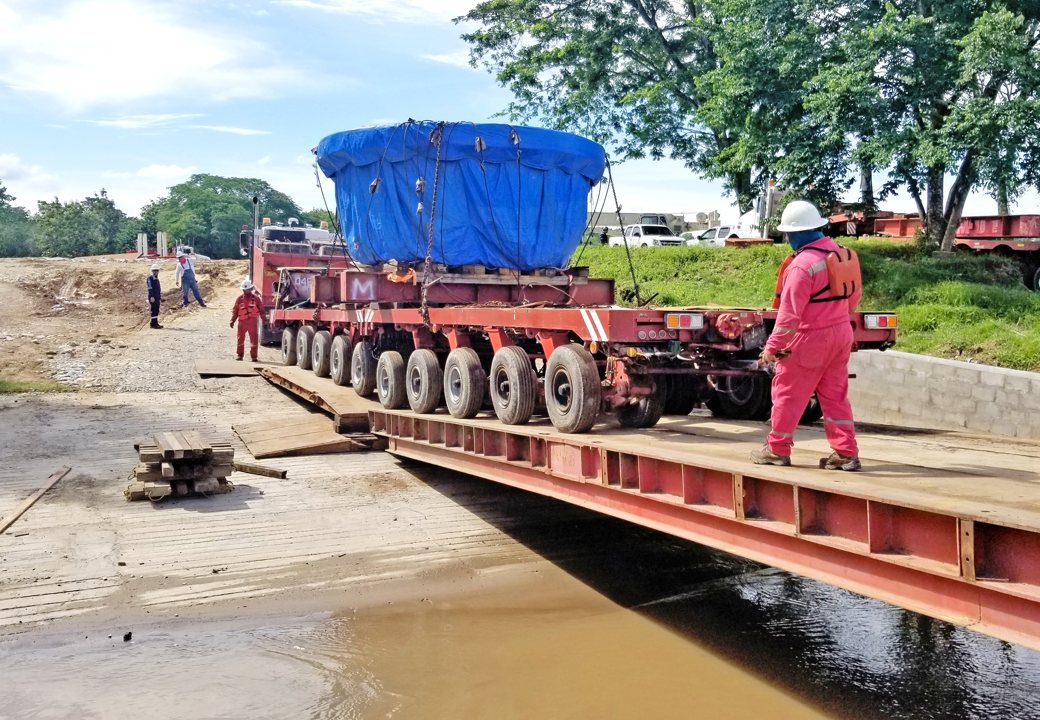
[(179, 464)]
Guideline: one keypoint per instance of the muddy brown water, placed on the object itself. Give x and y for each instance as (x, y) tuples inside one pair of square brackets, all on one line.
[(618, 622)]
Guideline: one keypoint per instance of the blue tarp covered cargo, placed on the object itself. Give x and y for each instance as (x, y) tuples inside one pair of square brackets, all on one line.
[(506, 196)]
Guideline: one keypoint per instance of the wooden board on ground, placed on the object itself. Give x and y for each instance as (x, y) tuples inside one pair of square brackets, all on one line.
[(313, 435), (226, 368), (349, 411), (31, 500)]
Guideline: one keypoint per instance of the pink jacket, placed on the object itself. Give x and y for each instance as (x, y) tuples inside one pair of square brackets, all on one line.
[(806, 275)]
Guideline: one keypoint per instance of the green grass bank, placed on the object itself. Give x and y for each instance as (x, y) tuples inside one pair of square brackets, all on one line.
[(960, 307)]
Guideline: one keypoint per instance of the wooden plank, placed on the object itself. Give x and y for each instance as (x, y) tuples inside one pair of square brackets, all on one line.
[(226, 368), (322, 393), (144, 472), (254, 469), (310, 445), (259, 432), (31, 500), (196, 442)]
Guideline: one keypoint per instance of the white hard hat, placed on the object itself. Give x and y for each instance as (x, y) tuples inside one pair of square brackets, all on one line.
[(247, 284), (155, 266), (800, 215)]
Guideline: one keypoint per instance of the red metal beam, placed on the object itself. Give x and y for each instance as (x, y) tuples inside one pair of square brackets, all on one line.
[(955, 568)]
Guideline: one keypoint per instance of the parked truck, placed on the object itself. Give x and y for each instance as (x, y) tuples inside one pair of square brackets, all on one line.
[(1014, 236), (457, 292)]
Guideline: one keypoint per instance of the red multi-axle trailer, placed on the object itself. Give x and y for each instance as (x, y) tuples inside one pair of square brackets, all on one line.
[(523, 341)]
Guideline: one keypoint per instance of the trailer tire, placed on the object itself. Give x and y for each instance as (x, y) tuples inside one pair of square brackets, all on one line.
[(512, 385), (363, 369), (1036, 280), (320, 349), (289, 346), (681, 394), (573, 393), (339, 360), (645, 412), (304, 342), (424, 381), (813, 411), (745, 398), (465, 383), (390, 380)]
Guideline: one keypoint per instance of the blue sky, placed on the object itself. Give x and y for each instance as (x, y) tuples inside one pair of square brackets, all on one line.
[(135, 96)]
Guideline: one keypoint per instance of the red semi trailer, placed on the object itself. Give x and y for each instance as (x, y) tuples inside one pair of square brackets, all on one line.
[(552, 339)]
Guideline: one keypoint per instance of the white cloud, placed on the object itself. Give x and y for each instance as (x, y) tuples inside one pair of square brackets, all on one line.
[(88, 53), (27, 182), (136, 122), (230, 129), (459, 58), (266, 159), (407, 11), (166, 172)]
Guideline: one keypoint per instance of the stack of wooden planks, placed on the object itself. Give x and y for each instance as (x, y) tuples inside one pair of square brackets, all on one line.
[(180, 464)]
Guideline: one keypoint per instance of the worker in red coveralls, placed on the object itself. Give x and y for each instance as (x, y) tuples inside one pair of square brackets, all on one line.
[(811, 343), (247, 310)]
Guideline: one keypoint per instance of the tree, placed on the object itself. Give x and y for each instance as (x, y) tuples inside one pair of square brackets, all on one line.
[(111, 227), (62, 229), (15, 228), (623, 72), (945, 88), (317, 216), (208, 211)]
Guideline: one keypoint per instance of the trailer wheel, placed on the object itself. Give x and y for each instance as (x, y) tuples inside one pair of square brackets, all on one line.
[(424, 381), (573, 393), (304, 342), (289, 346), (680, 394), (465, 383), (645, 412), (320, 347), (390, 380), (1036, 280), (813, 411), (363, 369), (742, 398), (512, 385), (339, 360)]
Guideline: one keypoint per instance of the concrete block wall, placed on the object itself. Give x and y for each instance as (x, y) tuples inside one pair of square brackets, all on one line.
[(898, 388)]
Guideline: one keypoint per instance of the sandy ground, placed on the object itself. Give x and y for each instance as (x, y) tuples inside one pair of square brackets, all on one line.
[(338, 523), (61, 317)]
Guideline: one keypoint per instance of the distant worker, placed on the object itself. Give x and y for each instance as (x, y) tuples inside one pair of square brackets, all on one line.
[(154, 296), (247, 310), (603, 237), (816, 290), (185, 277)]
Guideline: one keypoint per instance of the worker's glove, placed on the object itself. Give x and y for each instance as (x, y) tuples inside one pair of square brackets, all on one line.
[(766, 359), (151, 299), (232, 324)]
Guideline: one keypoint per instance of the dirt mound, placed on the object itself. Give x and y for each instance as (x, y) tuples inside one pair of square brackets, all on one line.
[(53, 306)]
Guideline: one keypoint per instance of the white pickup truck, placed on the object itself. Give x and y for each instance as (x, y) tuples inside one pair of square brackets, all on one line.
[(648, 236)]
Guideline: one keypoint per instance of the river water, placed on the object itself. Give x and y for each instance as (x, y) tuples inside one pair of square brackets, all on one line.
[(616, 622)]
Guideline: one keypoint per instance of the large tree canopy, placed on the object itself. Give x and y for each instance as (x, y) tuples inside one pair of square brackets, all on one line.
[(811, 92), (94, 226), (208, 211), (623, 72)]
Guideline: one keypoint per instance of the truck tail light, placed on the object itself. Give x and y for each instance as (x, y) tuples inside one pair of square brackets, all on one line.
[(880, 321), (684, 321)]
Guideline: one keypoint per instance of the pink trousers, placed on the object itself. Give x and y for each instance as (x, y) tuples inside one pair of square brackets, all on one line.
[(819, 361)]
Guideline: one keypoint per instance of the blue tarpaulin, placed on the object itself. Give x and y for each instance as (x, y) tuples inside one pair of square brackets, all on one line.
[(506, 196)]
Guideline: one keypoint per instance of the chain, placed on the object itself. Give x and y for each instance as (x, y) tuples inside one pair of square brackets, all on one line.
[(436, 138)]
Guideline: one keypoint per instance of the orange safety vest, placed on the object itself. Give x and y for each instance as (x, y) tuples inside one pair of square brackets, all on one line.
[(843, 276)]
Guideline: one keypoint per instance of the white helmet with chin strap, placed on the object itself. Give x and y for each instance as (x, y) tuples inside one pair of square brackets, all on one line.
[(801, 215), (247, 284)]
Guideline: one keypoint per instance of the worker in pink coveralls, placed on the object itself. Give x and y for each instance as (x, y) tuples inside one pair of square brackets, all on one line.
[(810, 344)]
